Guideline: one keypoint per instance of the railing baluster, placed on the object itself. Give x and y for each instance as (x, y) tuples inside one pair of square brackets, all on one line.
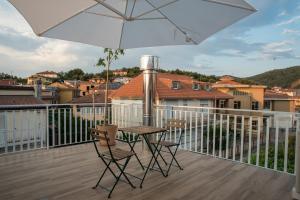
[(185, 127), (214, 134), (86, 123), (70, 125), (65, 126), (47, 127), (221, 136), (53, 127), (267, 143), (202, 130), (250, 140), (14, 130), (276, 145), (234, 138), (208, 131), (258, 141), (81, 113), (242, 139), (59, 128), (196, 131), (227, 137), (76, 126), (29, 131), (191, 128), (21, 131), (286, 146)]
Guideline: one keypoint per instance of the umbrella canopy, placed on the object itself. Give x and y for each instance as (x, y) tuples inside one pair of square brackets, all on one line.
[(131, 23)]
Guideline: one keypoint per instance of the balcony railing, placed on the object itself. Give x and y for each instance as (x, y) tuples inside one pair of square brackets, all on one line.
[(261, 138)]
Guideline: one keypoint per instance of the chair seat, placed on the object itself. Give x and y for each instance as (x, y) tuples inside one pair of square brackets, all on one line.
[(165, 143), (118, 154)]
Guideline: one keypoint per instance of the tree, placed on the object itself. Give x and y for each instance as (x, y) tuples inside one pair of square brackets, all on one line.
[(74, 74), (110, 56)]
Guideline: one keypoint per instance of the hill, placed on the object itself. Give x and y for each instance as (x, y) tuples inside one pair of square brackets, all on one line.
[(280, 77)]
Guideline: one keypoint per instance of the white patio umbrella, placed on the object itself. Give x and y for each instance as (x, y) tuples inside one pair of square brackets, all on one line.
[(131, 23)]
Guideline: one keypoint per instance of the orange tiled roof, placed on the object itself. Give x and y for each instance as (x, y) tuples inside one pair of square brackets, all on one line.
[(99, 98), (134, 89), (269, 94)]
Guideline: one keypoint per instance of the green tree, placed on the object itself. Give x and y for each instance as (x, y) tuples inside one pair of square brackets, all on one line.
[(110, 56)]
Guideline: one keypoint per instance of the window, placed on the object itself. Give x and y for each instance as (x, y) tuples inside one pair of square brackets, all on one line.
[(239, 93), (237, 105), (196, 86), (175, 85), (267, 105), (222, 104), (255, 105), (254, 125)]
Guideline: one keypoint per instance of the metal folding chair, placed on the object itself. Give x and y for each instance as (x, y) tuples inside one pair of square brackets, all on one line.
[(171, 125), (112, 156)]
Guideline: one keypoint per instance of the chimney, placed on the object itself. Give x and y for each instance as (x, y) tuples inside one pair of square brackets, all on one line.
[(148, 66), (38, 89)]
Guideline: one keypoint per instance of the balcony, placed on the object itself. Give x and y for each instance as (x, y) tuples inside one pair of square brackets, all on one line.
[(225, 154)]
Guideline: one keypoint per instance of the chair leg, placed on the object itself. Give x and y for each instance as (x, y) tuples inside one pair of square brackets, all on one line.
[(159, 154), (107, 167), (173, 159), (118, 177)]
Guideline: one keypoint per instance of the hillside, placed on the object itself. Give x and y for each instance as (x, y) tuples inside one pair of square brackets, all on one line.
[(279, 77)]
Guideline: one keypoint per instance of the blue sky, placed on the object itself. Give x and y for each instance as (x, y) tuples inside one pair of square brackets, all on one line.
[(269, 39)]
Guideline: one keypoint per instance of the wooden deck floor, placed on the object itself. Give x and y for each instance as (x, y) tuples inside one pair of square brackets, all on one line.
[(70, 172)]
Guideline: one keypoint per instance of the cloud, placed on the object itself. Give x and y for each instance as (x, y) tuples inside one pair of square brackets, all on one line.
[(290, 21), (291, 32), (283, 13), (275, 50)]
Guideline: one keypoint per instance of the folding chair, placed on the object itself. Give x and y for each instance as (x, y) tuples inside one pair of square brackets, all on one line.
[(109, 157), (171, 125)]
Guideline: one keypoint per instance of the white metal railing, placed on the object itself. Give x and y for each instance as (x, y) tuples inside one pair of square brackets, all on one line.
[(264, 139), (25, 128)]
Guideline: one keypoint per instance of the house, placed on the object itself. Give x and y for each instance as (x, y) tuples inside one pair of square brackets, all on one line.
[(19, 104), (50, 95), (119, 72), (46, 77), (8, 82), (172, 89), (275, 101), (245, 96), (66, 93), (123, 80)]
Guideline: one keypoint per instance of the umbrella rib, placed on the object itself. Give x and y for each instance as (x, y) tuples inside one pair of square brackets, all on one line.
[(111, 9), (52, 27), (132, 8), (229, 4), (177, 27), (121, 36), (155, 8), (93, 13)]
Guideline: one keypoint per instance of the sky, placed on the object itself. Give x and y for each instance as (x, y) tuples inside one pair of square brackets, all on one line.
[(269, 39)]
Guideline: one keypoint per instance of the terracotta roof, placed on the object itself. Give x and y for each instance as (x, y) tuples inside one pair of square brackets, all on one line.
[(7, 82), (19, 100), (269, 94), (134, 89), (228, 81), (47, 72), (99, 98), (63, 86)]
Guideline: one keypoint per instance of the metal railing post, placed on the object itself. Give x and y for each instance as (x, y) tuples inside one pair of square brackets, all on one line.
[(47, 127), (296, 190)]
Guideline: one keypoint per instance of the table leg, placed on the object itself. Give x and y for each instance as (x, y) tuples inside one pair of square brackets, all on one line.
[(152, 157)]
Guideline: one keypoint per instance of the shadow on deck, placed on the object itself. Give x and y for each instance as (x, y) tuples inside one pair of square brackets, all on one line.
[(70, 172)]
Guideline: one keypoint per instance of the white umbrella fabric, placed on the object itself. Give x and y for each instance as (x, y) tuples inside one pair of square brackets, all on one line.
[(131, 23)]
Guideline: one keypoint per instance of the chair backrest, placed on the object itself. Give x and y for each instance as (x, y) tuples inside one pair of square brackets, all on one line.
[(175, 123), (100, 135)]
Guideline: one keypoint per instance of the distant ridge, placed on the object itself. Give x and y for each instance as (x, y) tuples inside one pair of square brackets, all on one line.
[(286, 78)]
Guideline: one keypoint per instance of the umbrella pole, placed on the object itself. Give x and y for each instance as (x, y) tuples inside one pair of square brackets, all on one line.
[(106, 94)]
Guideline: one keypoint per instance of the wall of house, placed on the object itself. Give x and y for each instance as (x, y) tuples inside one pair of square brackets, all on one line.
[(181, 102), (17, 92), (283, 105), (254, 94), (65, 96)]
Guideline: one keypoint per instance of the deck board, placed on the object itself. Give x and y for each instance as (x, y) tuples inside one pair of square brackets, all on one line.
[(70, 172)]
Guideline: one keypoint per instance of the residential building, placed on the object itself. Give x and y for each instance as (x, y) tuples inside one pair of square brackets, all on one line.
[(123, 80), (119, 72), (50, 95), (66, 93), (245, 96), (46, 77), (172, 89), (274, 101), (8, 82)]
